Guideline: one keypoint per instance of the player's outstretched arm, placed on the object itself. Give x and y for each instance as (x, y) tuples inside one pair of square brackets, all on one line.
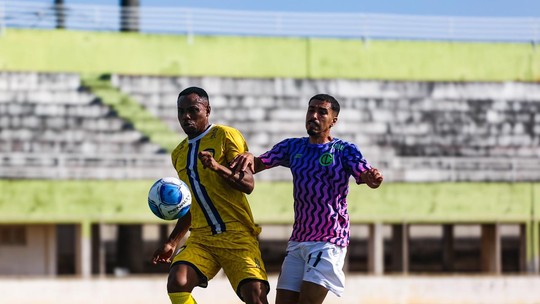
[(372, 177), (242, 181), (245, 161), (164, 253)]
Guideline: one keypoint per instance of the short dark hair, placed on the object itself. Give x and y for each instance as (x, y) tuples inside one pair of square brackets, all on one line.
[(334, 104), (194, 90)]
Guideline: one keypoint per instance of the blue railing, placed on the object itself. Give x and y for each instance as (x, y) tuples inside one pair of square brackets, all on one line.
[(194, 21)]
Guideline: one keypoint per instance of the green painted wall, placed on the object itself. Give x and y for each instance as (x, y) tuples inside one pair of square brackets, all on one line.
[(36, 201), (437, 61), (132, 53), (125, 201)]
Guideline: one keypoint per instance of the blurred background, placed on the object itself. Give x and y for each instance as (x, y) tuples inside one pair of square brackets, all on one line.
[(443, 98)]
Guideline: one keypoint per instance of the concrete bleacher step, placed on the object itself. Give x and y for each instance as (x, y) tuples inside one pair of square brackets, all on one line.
[(77, 166), (52, 127), (389, 120), (45, 96), (36, 109), (429, 123), (31, 81)]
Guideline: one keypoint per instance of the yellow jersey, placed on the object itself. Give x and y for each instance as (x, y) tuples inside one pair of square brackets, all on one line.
[(216, 206)]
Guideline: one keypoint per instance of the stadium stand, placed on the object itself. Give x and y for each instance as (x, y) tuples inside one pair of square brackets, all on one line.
[(414, 131), (449, 123), (404, 127), (51, 127), (58, 131)]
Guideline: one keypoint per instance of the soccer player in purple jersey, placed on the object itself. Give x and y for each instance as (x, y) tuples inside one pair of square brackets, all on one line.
[(321, 166)]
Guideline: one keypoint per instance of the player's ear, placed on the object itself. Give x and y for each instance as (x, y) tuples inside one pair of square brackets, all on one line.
[(208, 109), (334, 120)]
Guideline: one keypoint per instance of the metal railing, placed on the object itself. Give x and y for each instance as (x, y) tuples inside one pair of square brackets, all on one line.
[(194, 21)]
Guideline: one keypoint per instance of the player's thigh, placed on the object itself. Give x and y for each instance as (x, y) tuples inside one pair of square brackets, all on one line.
[(198, 257), (292, 273), (324, 266), (242, 263), (312, 293)]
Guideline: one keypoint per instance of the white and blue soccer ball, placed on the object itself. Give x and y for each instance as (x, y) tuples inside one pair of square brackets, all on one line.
[(169, 198)]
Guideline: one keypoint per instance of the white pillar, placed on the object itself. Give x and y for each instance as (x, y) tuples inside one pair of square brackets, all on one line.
[(376, 249), (83, 249), (50, 250)]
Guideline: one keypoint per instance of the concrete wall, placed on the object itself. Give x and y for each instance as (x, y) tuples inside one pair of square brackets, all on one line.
[(243, 56), (133, 53), (36, 255)]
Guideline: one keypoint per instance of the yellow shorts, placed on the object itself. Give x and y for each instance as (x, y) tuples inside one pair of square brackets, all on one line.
[(237, 252)]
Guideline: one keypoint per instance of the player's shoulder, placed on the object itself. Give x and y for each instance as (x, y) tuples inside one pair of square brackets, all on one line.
[(180, 146), (296, 140), (287, 143), (226, 131), (343, 145), (339, 141)]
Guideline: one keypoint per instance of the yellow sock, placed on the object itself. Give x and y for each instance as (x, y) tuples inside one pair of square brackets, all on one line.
[(181, 298)]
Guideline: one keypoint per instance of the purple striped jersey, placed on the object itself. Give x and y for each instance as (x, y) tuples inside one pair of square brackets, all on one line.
[(321, 175)]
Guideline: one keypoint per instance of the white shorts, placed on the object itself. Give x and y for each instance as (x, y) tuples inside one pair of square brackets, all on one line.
[(317, 262)]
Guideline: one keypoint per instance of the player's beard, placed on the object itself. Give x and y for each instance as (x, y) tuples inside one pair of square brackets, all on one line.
[(316, 131), (312, 128), (312, 132)]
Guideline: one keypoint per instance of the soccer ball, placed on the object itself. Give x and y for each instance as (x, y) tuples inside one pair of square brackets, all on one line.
[(169, 198)]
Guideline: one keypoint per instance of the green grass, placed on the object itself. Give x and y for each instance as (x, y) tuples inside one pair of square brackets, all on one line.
[(132, 111)]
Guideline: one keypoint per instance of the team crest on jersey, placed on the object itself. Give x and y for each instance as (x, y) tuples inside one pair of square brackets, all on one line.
[(339, 147), (326, 159), (213, 134)]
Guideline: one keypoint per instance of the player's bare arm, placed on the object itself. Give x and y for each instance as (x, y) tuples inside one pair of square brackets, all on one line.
[(373, 178), (242, 181), (166, 251), (245, 161)]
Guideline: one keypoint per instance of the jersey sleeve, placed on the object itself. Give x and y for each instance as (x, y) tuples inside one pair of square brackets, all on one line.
[(234, 144), (277, 156), (176, 151), (355, 162), (173, 159)]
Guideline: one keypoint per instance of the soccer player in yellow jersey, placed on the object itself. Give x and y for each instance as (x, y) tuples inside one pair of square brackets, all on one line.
[(223, 233)]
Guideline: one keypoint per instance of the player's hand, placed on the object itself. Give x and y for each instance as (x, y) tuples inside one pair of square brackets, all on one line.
[(243, 161), (372, 177), (163, 254), (208, 160)]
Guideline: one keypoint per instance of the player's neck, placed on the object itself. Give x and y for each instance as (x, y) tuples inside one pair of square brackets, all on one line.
[(320, 139), (194, 135)]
